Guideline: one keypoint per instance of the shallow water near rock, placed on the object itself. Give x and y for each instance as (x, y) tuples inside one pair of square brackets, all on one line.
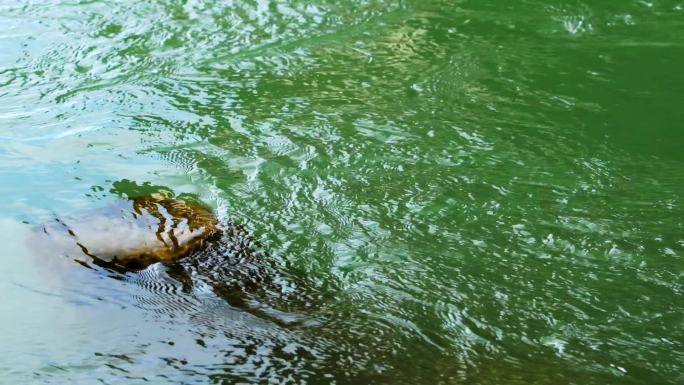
[(449, 192)]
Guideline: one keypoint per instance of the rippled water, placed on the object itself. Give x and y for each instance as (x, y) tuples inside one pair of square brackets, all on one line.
[(454, 192)]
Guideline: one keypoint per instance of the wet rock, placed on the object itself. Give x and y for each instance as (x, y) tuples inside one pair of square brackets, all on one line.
[(131, 233)]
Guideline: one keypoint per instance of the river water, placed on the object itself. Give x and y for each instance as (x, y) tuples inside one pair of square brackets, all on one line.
[(483, 192)]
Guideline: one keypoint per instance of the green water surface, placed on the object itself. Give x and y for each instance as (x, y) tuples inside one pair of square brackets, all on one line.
[(487, 192)]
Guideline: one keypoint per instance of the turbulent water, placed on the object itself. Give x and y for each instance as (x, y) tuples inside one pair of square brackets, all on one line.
[(447, 192)]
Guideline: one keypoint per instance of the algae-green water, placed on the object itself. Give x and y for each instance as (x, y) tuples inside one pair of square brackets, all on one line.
[(485, 192)]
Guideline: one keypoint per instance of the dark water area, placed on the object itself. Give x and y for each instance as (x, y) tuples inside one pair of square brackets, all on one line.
[(445, 192)]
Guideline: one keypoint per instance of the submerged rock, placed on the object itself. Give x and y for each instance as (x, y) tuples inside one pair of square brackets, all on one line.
[(131, 233), (193, 247)]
